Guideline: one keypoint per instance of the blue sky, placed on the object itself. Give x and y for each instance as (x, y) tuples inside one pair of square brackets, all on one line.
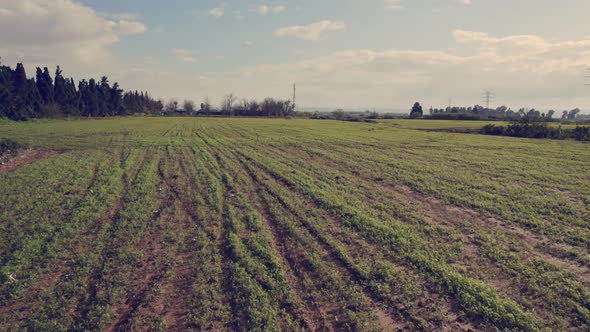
[(342, 53)]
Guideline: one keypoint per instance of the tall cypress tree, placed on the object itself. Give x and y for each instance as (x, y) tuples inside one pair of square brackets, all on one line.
[(72, 98), (22, 98), (45, 85), (20, 86), (104, 94), (33, 100), (92, 98), (116, 99), (6, 95), (83, 98), (60, 88)]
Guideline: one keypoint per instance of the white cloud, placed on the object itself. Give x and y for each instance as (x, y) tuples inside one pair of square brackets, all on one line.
[(6, 12), (122, 16), (523, 70), (393, 4), (216, 12), (397, 4), (60, 30), (311, 32), (129, 27), (184, 55), (268, 9)]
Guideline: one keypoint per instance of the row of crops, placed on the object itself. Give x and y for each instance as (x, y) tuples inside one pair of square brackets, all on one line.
[(246, 224)]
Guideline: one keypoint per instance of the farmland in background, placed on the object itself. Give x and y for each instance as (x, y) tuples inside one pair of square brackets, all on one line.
[(439, 124), (255, 224), (456, 125)]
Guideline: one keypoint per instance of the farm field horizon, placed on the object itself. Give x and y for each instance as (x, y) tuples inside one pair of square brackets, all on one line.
[(161, 223)]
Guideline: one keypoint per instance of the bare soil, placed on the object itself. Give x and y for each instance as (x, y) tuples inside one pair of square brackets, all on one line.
[(24, 158)]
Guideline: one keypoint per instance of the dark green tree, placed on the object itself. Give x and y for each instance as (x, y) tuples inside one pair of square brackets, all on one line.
[(60, 94), (116, 98), (6, 96), (45, 85), (92, 98), (416, 112), (25, 96)]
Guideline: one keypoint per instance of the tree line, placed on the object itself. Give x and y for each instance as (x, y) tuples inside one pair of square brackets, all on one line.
[(23, 98), (231, 106), (478, 112), (527, 129)]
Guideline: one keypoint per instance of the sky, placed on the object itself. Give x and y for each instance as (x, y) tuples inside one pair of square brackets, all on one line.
[(352, 54)]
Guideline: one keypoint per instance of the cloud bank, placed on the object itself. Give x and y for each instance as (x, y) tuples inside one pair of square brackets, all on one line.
[(518, 68), (310, 32), (41, 31)]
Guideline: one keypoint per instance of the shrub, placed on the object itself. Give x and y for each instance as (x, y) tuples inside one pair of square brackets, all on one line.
[(581, 133), (537, 130), (492, 130), (8, 147)]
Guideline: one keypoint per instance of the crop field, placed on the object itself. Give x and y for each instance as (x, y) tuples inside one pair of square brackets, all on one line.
[(155, 224), (439, 124)]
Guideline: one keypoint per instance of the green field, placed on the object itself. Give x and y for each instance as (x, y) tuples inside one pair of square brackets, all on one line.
[(439, 124), (254, 224)]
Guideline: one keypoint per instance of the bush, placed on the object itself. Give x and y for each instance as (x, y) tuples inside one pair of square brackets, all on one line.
[(8, 147), (581, 133), (537, 130), (533, 130), (492, 130)]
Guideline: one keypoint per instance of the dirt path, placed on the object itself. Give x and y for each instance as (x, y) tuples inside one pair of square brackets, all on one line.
[(24, 158), (312, 317), (172, 304), (195, 265)]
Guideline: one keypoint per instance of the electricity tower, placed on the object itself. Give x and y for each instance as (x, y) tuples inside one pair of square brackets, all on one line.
[(488, 97), (587, 78)]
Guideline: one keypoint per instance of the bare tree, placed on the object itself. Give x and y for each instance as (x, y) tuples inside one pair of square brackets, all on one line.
[(244, 104), (254, 107), (189, 106), (227, 104), (206, 106), (171, 106), (573, 114)]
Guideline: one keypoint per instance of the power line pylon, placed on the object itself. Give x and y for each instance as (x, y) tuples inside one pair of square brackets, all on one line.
[(294, 96), (488, 96)]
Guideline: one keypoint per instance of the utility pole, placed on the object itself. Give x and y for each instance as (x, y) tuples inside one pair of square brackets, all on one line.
[(488, 96), (294, 97), (587, 77)]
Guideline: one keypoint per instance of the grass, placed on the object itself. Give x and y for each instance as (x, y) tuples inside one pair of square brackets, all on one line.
[(438, 124), (252, 224)]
